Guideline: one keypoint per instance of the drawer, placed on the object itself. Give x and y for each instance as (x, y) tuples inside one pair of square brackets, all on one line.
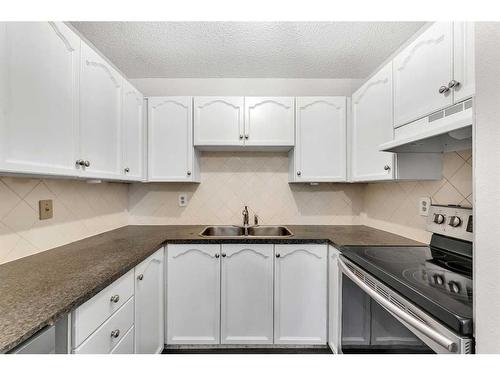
[(102, 341), (126, 346), (95, 311)]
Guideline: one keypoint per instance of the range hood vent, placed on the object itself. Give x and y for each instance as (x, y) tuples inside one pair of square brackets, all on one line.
[(449, 129)]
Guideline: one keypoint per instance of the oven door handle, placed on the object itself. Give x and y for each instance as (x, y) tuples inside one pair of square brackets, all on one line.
[(437, 337)]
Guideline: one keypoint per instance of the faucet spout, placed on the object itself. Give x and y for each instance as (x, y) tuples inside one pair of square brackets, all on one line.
[(245, 216)]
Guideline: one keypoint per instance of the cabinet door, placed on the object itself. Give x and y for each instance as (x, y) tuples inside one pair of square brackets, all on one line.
[(149, 314), (269, 121), (334, 300), (193, 294), (300, 299), (39, 91), (320, 150), (371, 126), (420, 70), (133, 132), (170, 138), (247, 294), (463, 68), (101, 98), (218, 121)]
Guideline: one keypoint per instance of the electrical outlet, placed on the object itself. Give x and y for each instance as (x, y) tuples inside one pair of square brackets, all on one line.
[(183, 200), (424, 204), (45, 209)]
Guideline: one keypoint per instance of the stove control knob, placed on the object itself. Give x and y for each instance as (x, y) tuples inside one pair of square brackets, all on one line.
[(438, 280), (439, 218), (455, 221), (454, 287)]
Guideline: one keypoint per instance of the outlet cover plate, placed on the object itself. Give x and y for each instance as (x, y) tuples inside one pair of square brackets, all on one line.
[(183, 200), (46, 210), (424, 204)]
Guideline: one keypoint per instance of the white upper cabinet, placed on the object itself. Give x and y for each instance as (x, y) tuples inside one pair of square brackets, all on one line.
[(218, 121), (171, 154), (371, 126), (39, 91), (463, 58), (269, 121), (100, 116), (320, 149), (300, 294), (422, 73), (132, 132), (193, 294), (247, 294), (149, 304)]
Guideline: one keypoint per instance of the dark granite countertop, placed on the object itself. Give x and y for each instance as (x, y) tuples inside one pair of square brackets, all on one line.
[(37, 290)]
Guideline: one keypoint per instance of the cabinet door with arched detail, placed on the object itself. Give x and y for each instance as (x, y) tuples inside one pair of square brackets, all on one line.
[(300, 294), (247, 294), (193, 294)]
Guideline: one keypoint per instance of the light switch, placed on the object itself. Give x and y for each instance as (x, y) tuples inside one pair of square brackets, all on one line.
[(45, 209)]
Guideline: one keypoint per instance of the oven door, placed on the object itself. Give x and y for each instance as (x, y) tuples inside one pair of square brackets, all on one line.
[(377, 320)]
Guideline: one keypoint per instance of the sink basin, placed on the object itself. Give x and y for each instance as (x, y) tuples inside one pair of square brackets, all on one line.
[(269, 231), (235, 231)]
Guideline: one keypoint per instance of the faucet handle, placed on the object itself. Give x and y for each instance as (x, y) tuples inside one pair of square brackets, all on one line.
[(255, 219)]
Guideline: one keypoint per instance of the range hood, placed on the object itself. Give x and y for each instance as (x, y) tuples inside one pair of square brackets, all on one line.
[(447, 130)]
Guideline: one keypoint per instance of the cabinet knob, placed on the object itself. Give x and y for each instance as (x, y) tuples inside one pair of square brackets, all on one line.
[(115, 298), (241, 136), (278, 255), (127, 170), (299, 173), (453, 83), (115, 333), (87, 163), (247, 136), (140, 277), (217, 256), (223, 255), (80, 162), (387, 168), (189, 173), (444, 89)]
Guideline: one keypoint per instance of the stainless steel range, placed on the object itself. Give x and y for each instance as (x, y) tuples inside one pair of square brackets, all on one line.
[(411, 299)]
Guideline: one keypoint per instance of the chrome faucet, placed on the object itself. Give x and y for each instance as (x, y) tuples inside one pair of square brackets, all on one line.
[(245, 216)]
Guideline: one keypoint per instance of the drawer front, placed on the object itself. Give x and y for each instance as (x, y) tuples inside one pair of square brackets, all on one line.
[(95, 311), (126, 346), (103, 341)]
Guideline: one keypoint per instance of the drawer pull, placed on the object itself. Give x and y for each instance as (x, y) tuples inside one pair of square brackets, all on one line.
[(115, 333), (115, 298)]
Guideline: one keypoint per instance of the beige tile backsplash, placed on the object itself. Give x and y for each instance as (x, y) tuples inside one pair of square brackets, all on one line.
[(228, 181)]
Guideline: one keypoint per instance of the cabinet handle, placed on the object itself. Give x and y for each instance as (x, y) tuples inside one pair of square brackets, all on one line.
[(115, 298), (278, 255), (127, 170), (189, 173), (223, 255), (387, 168), (140, 277), (115, 333), (217, 256), (444, 89), (247, 136), (80, 162), (241, 136), (299, 173), (453, 83), (87, 163)]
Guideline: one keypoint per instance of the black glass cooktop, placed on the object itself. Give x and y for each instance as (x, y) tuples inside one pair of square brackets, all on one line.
[(436, 280)]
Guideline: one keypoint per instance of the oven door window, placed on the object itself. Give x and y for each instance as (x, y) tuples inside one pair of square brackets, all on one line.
[(369, 328)]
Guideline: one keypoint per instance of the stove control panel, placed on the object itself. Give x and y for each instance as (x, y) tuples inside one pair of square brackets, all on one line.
[(451, 221)]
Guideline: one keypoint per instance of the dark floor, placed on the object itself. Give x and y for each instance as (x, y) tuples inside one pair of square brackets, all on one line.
[(322, 350)]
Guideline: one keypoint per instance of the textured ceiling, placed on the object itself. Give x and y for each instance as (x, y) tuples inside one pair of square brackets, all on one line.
[(247, 49)]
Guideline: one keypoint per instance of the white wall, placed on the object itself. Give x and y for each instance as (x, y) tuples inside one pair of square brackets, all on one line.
[(487, 188), (246, 86)]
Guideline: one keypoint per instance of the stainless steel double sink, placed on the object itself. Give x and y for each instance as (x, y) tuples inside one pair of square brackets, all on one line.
[(237, 231)]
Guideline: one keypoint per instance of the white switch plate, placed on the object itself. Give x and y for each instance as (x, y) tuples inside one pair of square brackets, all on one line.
[(424, 204), (183, 200)]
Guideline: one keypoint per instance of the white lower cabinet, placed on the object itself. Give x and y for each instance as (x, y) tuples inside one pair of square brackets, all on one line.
[(334, 300), (193, 294), (300, 294), (247, 294), (149, 304)]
